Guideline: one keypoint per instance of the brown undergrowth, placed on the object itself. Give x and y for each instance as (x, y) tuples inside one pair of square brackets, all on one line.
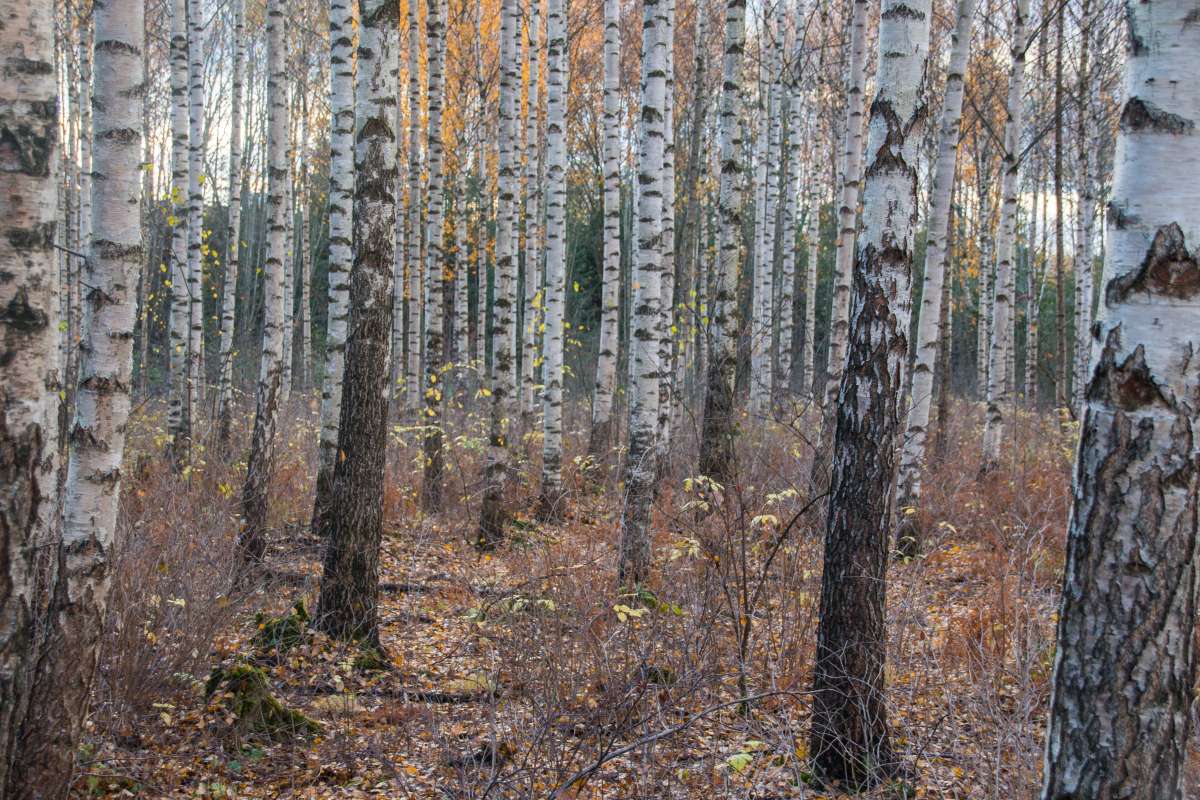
[(527, 673)]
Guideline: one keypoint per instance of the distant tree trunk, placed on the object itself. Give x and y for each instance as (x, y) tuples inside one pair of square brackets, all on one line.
[(29, 367), (1060, 309), (462, 333), (944, 370), (102, 401), (641, 459), (493, 513), (847, 208), (533, 189), (849, 740), (606, 360), (234, 232), (908, 493), (716, 440), (556, 258), (195, 256), (412, 362), (343, 16), (289, 266), (354, 518), (435, 265), (252, 541), (179, 408), (810, 290), (787, 277), (304, 265), (760, 328), (998, 372), (1085, 213), (1121, 711), (847, 222), (666, 329)]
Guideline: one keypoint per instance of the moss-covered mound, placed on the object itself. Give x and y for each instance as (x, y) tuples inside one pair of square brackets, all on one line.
[(243, 690), (280, 634)]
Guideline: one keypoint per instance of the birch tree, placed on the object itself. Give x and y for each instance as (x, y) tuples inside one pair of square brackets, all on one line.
[(29, 359), (606, 359), (179, 408), (353, 523), (847, 209), (1002, 307), (343, 16), (102, 396), (1125, 667), (642, 455), (908, 492), (791, 191), (501, 378), (716, 441), (533, 191), (435, 266), (233, 235), (252, 544), (412, 236), (849, 740), (195, 204), (550, 503)]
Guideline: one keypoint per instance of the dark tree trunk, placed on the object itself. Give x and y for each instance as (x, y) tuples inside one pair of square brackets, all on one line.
[(353, 522)]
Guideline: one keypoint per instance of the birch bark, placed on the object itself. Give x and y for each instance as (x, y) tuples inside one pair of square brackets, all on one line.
[(353, 523), (550, 503), (908, 493), (343, 16), (606, 360), (1125, 668), (252, 543), (716, 441), (998, 374), (29, 357), (849, 739), (233, 234)]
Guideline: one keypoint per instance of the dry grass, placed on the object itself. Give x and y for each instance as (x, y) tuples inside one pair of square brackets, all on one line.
[(557, 671)]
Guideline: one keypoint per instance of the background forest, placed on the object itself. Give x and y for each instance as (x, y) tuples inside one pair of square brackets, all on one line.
[(549, 399)]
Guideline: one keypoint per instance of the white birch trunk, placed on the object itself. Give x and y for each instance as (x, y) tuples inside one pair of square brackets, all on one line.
[(848, 204), (606, 360), (195, 46), (666, 328), (251, 542), (1123, 689), (493, 514), (412, 363), (102, 397), (30, 164), (716, 441), (850, 739), (435, 266), (908, 492), (343, 16), (289, 271), (810, 289), (556, 257), (533, 190), (760, 348), (179, 409), (787, 277), (997, 385), (642, 454), (462, 333), (234, 232)]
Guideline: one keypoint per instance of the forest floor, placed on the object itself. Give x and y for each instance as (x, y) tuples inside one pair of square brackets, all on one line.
[(524, 673)]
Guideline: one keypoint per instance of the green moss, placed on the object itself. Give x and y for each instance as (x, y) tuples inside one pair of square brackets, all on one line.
[(371, 659), (244, 692), (281, 633)]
